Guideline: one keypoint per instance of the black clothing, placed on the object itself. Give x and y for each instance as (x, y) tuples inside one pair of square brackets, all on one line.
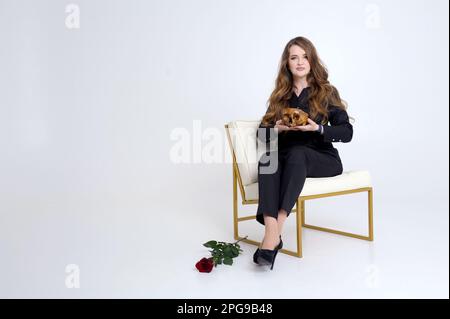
[(282, 188), (340, 130), (300, 155)]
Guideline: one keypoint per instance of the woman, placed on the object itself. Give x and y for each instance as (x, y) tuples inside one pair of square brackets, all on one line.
[(303, 151)]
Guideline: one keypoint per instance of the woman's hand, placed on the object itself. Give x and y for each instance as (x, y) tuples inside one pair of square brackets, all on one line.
[(279, 127), (311, 126)]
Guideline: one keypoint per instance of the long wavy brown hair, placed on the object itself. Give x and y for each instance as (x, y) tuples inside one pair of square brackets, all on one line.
[(321, 92)]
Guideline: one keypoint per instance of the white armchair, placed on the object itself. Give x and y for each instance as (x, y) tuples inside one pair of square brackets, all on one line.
[(242, 140)]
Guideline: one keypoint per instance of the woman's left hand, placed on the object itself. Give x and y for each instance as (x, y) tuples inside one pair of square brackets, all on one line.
[(311, 126)]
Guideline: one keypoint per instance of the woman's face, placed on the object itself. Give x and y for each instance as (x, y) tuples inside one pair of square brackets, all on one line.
[(298, 62)]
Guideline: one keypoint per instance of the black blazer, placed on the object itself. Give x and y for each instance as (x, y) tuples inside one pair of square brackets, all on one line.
[(339, 130)]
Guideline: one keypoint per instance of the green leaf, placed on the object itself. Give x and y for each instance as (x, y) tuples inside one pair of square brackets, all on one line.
[(210, 244), (228, 261), (234, 253), (223, 252)]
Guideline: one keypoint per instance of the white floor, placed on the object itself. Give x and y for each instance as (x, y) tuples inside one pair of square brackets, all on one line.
[(128, 247), (114, 159)]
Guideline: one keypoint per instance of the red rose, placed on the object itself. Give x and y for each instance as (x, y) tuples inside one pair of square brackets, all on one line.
[(205, 265)]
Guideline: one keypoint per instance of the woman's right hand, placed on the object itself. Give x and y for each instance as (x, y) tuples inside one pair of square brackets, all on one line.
[(280, 127)]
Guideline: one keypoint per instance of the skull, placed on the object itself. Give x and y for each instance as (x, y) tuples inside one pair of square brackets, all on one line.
[(294, 117)]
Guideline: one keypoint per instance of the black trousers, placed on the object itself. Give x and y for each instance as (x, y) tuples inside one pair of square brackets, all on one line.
[(280, 188)]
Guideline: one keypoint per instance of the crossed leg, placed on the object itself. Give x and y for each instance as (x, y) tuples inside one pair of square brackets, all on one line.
[(273, 229)]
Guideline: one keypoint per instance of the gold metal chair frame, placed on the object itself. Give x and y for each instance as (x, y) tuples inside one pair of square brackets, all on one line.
[(300, 210)]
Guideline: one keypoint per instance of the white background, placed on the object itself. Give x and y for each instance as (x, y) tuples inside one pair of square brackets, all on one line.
[(86, 117)]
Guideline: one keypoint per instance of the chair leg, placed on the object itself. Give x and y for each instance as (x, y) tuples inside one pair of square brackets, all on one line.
[(369, 236), (370, 204), (236, 220), (300, 221), (303, 212), (235, 206)]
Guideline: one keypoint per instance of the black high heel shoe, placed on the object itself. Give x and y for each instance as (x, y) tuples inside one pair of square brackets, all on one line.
[(256, 254), (267, 256)]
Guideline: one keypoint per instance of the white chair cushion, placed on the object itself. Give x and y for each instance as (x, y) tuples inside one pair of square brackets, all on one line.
[(321, 185)]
